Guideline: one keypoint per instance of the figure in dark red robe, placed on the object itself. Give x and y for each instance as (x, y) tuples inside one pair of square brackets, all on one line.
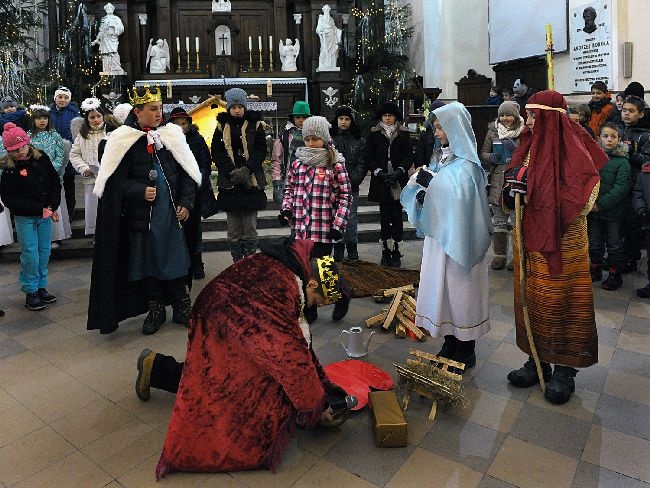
[(250, 375)]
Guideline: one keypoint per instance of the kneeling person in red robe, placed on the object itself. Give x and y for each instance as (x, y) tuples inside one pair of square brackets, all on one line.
[(250, 375)]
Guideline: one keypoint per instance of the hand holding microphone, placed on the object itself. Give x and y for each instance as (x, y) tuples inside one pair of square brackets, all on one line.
[(150, 191)]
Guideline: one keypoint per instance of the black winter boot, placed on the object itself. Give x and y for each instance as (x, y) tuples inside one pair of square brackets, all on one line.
[(182, 308), (449, 347), (353, 254), (155, 318), (395, 256), (527, 375), (596, 272), (614, 281), (339, 251), (386, 254), (465, 353), (644, 292), (559, 389), (198, 271)]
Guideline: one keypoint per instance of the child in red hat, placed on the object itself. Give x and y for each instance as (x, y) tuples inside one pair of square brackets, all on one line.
[(30, 188)]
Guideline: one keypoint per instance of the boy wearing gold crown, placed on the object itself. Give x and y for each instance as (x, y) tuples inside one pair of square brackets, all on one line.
[(146, 187), (250, 374)]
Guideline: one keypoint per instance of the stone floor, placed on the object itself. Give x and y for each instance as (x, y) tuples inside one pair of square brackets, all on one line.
[(69, 416)]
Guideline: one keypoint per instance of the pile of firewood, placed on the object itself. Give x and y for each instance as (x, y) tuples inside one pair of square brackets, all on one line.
[(400, 313)]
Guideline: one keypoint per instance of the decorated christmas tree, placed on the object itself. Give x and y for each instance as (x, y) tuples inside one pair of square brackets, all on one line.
[(383, 33), (20, 70)]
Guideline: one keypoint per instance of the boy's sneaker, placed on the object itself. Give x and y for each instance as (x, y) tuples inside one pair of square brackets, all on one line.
[(644, 292), (33, 302), (45, 296)]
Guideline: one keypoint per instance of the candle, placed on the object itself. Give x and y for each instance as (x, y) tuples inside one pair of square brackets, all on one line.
[(269, 88), (187, 44), (197, 44), (178, 44), (250, 43), (270, 43), (259, 41)]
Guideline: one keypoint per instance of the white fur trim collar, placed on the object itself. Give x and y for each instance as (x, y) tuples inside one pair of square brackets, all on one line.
[(121, 140), (302, 322)]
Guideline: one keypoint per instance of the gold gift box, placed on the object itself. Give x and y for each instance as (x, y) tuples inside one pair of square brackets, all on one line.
[(390, 424)]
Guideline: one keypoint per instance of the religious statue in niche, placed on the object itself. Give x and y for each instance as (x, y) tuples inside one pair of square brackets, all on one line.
[(110, 29), (289, 54), (158, 58), (222, 40), (330, 38)]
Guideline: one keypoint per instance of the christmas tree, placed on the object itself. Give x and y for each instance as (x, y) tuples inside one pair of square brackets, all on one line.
[(383, 31), (20, 70)]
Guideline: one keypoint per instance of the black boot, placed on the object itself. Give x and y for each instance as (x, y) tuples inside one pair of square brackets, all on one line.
[(339, 250), (353, 254), (386, 254), (559, 389), (527, 375), (198, 271), (155, 318), (465, 353), (395, 256), (630, 265), (182, 308), (449, 347), (614, 281), (237, 252), (596, 272)]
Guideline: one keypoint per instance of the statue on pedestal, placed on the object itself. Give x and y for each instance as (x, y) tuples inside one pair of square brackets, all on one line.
[(330, 38), (288, 55), (110, 29), (159, 56)]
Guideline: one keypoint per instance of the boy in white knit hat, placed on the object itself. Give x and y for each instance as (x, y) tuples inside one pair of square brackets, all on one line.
[(317, 195)]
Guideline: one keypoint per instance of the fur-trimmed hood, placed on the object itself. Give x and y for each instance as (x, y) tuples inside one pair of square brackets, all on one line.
[(121, 140), (621, 150)]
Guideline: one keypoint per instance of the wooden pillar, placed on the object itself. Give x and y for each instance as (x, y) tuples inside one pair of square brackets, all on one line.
[(279, 29), (163, 14)]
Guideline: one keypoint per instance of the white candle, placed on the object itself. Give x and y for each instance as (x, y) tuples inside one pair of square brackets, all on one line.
[(187, 44), (269, 88), (197, 44), (259, 41), (250, 43), (270, 43), (178, 44)]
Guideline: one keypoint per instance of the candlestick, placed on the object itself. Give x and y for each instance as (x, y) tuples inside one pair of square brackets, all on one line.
[(250, 54), (261, 68), (178, 55), (270, 53), (187, 48)]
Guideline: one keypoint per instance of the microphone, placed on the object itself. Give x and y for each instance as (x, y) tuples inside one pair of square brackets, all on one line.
[(349, 402), (153, 176)]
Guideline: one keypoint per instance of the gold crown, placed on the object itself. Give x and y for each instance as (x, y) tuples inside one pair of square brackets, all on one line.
[(148, 97), (329, 278)]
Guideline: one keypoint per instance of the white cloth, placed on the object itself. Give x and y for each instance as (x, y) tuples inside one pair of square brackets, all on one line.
[(90, 211), (84, 155), (450, 300), (6, 231), (62, 230)]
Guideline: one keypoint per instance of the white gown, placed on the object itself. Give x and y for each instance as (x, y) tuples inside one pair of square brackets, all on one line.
[(6, 231), (451, 300)]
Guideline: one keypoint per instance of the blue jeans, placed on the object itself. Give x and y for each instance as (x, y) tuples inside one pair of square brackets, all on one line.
[(605, 235), (351, 234), (34, 237)]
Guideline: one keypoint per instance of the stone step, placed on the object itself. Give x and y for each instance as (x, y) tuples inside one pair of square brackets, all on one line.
[(212, 241)]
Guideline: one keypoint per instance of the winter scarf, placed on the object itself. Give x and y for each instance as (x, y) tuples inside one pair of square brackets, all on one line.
[(314, 156), (621, 150), (389, 129), (505, 133)]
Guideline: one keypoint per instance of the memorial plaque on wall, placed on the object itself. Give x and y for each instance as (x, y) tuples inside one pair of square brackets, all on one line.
[(591, 44)]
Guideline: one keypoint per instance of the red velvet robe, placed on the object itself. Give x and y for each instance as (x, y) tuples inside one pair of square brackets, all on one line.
[(249, 374)]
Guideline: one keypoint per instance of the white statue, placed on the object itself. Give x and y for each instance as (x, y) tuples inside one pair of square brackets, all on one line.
[(220, 6), (330, 38), (110, 29), (288, 55), (159, 56)]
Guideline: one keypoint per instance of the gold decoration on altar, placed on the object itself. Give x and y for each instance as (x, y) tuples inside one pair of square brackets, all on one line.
[(430, 376)]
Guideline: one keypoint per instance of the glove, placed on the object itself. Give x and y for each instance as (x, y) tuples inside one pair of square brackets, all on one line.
[(335, 234), (517, 179), (47, 213), (420, 196), (423, 178), (240, 176), (509, 144), (285, 218), (495, 158), (278, 191)]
